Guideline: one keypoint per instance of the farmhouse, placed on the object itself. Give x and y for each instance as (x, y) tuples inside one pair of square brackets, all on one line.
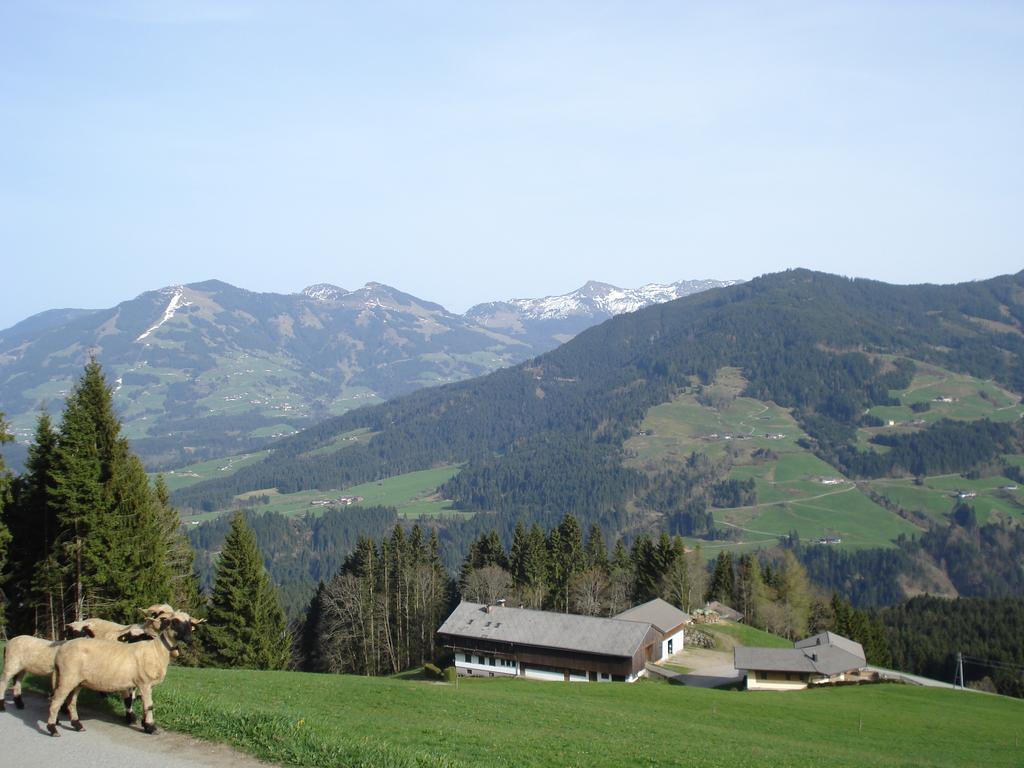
[(494, 640), (819, 660), (664, 617)]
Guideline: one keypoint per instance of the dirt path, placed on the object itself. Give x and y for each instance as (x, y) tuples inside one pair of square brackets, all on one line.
[(107, 741), (708, 668)]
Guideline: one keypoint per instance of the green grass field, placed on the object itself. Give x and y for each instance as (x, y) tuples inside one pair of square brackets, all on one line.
[(949, 396), (996, 498), (412, 494), (207, 470), (748, 636), (344, 720)]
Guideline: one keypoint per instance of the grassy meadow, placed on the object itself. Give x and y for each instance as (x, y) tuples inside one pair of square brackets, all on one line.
[(412, 494), (325, 720)]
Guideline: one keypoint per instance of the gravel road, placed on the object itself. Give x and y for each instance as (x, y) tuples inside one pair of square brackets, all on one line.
[(106, 741)]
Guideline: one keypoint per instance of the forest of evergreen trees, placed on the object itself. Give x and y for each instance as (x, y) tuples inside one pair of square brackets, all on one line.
[(926, 634)]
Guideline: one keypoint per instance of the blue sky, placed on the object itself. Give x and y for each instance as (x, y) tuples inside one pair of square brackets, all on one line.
[(483, 150)]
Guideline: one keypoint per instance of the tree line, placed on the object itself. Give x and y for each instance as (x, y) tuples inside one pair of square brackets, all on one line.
[(85, 533)]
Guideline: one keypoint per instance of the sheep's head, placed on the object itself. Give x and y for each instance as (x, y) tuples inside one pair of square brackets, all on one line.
[(179, 625), (153, 617), (78, 629)]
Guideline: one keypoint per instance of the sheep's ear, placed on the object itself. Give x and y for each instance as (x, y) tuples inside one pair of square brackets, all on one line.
[(197, 622), (87, 631)]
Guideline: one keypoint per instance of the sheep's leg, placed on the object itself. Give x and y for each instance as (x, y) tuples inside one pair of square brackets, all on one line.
[(61, 693), (3, 689), (146, 692), (18, 701), (128, 697), (72, 703)]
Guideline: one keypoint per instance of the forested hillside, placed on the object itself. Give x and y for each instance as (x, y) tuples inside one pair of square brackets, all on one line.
[(806, 341)]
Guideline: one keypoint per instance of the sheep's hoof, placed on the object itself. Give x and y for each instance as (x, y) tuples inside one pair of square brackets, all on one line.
[(52, 729), (19, 702), (77, 725), (129, 718), (149, 727)]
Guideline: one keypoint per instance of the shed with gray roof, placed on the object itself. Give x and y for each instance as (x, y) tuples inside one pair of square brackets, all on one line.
[(817, 660)]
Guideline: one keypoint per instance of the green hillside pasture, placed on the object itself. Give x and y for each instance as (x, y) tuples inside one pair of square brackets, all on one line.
[(748, 636), (322, 720), (972, 399), (936, 497), (791, 490), (344, 440), (246, 383), (412, 494), (791, 496), (850, 515), (205, 470), (670, 432)]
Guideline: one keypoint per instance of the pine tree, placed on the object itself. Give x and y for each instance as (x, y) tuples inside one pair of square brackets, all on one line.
[(5, 536), (535, 585), (35, 582), (566, 559), (246, 624), (723, 580), (597, 552), (178, 553)]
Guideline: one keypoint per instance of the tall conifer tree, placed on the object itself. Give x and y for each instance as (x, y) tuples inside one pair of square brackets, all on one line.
[(246, 624), (5, 536)]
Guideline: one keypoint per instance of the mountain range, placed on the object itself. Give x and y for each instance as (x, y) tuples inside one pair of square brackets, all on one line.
[(207, 369), (877, 430)]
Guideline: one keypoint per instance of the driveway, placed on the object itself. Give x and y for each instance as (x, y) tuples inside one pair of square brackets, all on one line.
[(709, 669), (107, 741)]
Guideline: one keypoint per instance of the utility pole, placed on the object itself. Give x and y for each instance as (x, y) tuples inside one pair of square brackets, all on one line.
[(958, 676)]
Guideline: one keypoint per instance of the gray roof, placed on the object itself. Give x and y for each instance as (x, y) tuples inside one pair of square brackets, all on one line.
[(826, 654), (772, 659), (661, 615), (725, 611), (831, 638), (546, 629)]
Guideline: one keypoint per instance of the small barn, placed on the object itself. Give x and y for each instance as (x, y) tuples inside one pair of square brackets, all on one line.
[(495, 640), (819, 660)]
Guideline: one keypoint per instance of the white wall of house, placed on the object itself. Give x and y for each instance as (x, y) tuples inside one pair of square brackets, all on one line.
[(537, 673), (483, 665), (776, 681), (676, 641)]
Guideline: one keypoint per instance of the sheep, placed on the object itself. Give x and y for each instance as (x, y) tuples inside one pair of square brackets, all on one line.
[(101, 629), (26, 654), (107, 666)]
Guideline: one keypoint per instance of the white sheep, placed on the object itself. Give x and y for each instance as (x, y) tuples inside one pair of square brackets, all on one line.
[(23, 655), (101, 629), (107, 666)]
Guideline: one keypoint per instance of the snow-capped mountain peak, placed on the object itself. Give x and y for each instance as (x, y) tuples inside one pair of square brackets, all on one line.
[(597, 299), (324, 292)]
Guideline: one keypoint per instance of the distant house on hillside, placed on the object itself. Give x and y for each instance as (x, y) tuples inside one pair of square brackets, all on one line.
[(819, 660), (493, 640), (724, 611), (669, 621)]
